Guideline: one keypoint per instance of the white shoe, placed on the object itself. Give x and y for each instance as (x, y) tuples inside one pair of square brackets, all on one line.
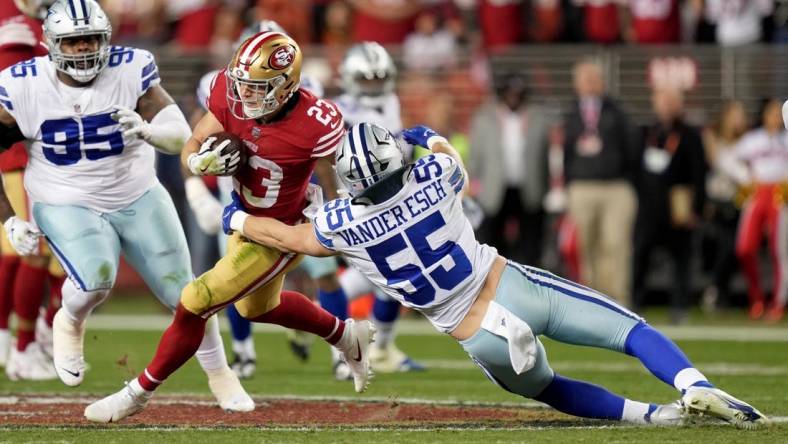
[(355, 351), (715, 402), (127, 402), (667, 415), (228, 390), (67, 339), (243, 366), (5, 346), (44, 333), (29, 365), (391, 359)]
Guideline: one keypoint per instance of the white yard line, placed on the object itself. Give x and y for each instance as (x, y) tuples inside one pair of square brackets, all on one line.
[(712, 368), (419, 327), (355, 428)]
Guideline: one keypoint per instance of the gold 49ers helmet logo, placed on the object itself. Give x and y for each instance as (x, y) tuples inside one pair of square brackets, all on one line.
[(282, 57)]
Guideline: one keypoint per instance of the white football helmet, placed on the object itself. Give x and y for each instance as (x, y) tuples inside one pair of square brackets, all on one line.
[(368, 71), (74, 18), (368, 154), (34, 8)]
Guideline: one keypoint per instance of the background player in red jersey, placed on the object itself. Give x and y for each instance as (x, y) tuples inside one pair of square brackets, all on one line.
[(23, 281), (285, 132)]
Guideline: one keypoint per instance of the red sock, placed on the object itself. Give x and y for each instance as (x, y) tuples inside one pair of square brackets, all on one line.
[(8, 267), (178, 343), (296, 311), (55, 296), (28, 295)]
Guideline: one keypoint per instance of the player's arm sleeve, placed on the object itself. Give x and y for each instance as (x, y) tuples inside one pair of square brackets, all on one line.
[(453, 174), (322, 234), (329, 140), (146, 71)]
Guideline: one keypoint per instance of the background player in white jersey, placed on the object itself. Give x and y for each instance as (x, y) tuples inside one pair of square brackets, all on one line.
[(403, 227), (368, 77), (93, 115), (208, 210)]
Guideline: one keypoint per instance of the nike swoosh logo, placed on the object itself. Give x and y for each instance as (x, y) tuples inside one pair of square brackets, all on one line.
[(76, 375), (358, 347)]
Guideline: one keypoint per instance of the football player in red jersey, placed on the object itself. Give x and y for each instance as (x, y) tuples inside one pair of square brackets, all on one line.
[(285, 131), (22, 281)]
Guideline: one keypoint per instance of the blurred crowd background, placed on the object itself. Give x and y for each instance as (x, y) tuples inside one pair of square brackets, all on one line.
[(613, 141)]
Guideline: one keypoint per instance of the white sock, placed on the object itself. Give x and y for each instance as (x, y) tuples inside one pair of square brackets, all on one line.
[(78, 304), (687, 377), (210, 355), (634, 411), (247, 348), (335, 355), (385, 334)]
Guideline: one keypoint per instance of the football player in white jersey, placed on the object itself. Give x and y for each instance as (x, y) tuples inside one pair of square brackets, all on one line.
[(403, 227), (368, 77), (94, 115)]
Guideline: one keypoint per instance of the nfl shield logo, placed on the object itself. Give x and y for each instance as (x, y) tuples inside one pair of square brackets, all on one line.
[(256, 132), (78, 108)]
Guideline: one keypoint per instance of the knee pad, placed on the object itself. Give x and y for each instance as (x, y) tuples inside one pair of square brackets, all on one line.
[(78, 303)]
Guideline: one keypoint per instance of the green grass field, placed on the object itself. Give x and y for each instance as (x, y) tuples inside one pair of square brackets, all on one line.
[(755, 370)]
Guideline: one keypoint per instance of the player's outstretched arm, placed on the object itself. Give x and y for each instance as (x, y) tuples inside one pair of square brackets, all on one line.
[(428, 138), (157, 120), (272, 233)]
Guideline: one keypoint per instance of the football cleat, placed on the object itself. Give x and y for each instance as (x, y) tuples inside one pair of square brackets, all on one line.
[(716, 403), (67, 339), (5, 346), (228, 390), (44, 333), (300, 343), (391, 359), (355, 351), (667, 415), (29, 365), (342, 371), (243, 366), (127, 402)]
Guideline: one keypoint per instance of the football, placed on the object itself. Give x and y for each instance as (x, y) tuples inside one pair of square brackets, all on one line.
[(236, 144)]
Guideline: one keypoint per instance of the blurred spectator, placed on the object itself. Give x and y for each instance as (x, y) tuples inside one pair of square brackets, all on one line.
[(600, 156), (384, 21), (338, 25), (601, 20), (501, 22), (765, 150), (722, 208), (739, 22), (547, 21), (193, 22), (293, 15), (671, 187), (509, 142), (430, 47), (139, 22), (652, 21)]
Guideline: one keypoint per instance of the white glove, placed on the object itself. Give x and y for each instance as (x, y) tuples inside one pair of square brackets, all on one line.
[(22, 234), (210, 161), (17, 33), (132, 124), (207, 209)]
